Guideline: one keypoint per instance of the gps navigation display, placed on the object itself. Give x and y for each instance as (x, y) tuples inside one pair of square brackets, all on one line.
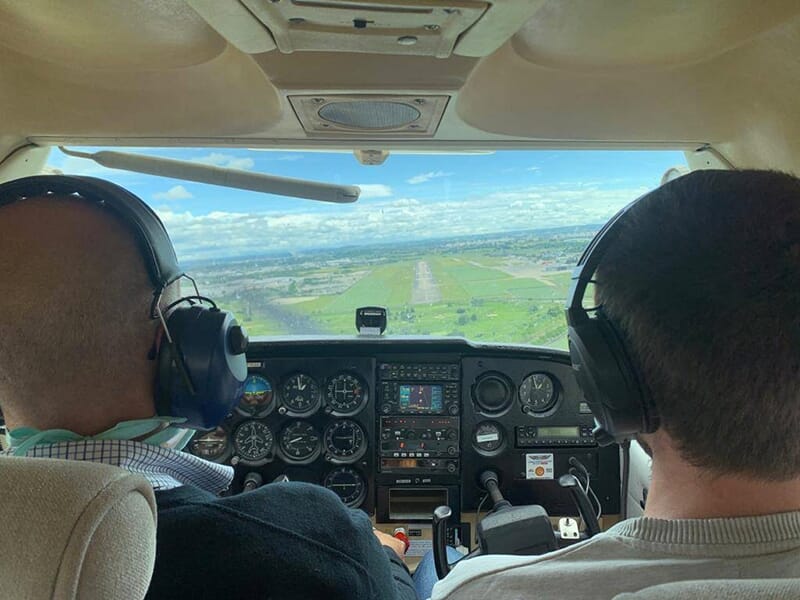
[(420, 398)]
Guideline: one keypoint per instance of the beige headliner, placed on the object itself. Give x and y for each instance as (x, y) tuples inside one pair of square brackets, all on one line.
[(576, 72)]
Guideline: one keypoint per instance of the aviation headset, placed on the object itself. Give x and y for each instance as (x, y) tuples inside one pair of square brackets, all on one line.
[(613, 387), (200, 348)]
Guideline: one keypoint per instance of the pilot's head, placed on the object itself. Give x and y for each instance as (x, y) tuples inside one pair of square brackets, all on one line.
[(74, 318), (704, 282)]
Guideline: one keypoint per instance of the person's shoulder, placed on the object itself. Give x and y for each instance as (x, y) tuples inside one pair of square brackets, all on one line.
[(512, 574), (294, 512), (294, 495), (294, 536)]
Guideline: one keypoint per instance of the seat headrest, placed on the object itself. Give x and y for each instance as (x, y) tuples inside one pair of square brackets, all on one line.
[(75, 530)]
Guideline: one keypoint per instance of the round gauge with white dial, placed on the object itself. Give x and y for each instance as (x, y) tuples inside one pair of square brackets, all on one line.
[(253, 441), (345, 441), (348, 484), (537, 393), (345, 394), (299, 442), (300, 395), (488, 438)]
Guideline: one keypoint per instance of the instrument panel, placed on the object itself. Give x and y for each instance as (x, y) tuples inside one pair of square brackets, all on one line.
[(394, 426)]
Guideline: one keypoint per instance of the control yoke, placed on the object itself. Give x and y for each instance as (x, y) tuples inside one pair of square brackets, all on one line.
[(507, 529)]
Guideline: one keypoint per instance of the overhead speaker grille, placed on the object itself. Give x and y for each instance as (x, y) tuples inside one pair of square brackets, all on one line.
[(369, 115), (376, 115)]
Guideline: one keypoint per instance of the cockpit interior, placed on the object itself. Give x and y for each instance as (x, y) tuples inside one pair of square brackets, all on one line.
[(391, 196)]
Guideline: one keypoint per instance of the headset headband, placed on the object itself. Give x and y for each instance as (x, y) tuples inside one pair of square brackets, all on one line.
[(151, 236), (583, 273)]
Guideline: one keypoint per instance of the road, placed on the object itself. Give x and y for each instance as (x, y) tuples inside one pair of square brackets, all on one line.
[(425, 289)]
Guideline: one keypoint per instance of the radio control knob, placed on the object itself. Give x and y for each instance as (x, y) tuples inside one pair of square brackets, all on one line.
[(452, 434), (451, 450), (452, 467), (453, 409), (385, 409)]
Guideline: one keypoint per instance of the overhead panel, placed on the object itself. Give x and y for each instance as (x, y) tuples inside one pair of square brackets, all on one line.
[(373, 114), (406, 27)]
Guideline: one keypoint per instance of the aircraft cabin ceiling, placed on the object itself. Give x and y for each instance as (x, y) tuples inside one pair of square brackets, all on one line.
[(388, 74)]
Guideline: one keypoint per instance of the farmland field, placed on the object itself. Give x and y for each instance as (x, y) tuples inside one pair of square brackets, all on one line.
[(508, 288)]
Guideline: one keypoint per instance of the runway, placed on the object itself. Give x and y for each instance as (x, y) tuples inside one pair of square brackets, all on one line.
[(425, 289)]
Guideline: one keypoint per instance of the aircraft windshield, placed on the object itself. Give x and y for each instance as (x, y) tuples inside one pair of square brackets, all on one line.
[(474, 245)]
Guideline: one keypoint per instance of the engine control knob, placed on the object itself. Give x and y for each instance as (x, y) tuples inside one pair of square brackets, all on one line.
[(252, 481)]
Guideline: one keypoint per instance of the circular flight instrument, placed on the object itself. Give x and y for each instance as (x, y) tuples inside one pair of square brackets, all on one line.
[(346, 394), (488, 438), (258, 397), (345, 441), (348, 484), (299, 442), (492, 393), (301, 395), (212, 445), (253, 441), (537, 393)]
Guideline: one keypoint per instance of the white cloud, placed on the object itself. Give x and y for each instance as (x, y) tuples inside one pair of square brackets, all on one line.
[(533, 169), (177, 192), (290, 157), (423, 177), (230, 234), (374, 190), (218, 159)]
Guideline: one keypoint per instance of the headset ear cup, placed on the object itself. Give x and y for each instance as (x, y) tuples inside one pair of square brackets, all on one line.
[(201, 377), (606, 376), (588, 355)]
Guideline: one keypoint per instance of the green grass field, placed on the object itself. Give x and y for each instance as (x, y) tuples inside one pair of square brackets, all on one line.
[(477, 301)]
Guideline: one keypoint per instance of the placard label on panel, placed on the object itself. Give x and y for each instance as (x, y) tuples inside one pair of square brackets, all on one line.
[(419, 547), (539, 466)]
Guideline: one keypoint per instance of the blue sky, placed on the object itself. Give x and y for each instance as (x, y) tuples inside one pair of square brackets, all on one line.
[(409, 197)]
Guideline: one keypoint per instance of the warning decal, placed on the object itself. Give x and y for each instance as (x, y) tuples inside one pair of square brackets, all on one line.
[(538, 466)]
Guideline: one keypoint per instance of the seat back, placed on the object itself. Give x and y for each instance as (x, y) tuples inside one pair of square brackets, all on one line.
[(74, 530), (720, 589)]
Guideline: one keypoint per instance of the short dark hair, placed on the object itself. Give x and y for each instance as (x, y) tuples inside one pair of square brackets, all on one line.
[(704, 283)]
